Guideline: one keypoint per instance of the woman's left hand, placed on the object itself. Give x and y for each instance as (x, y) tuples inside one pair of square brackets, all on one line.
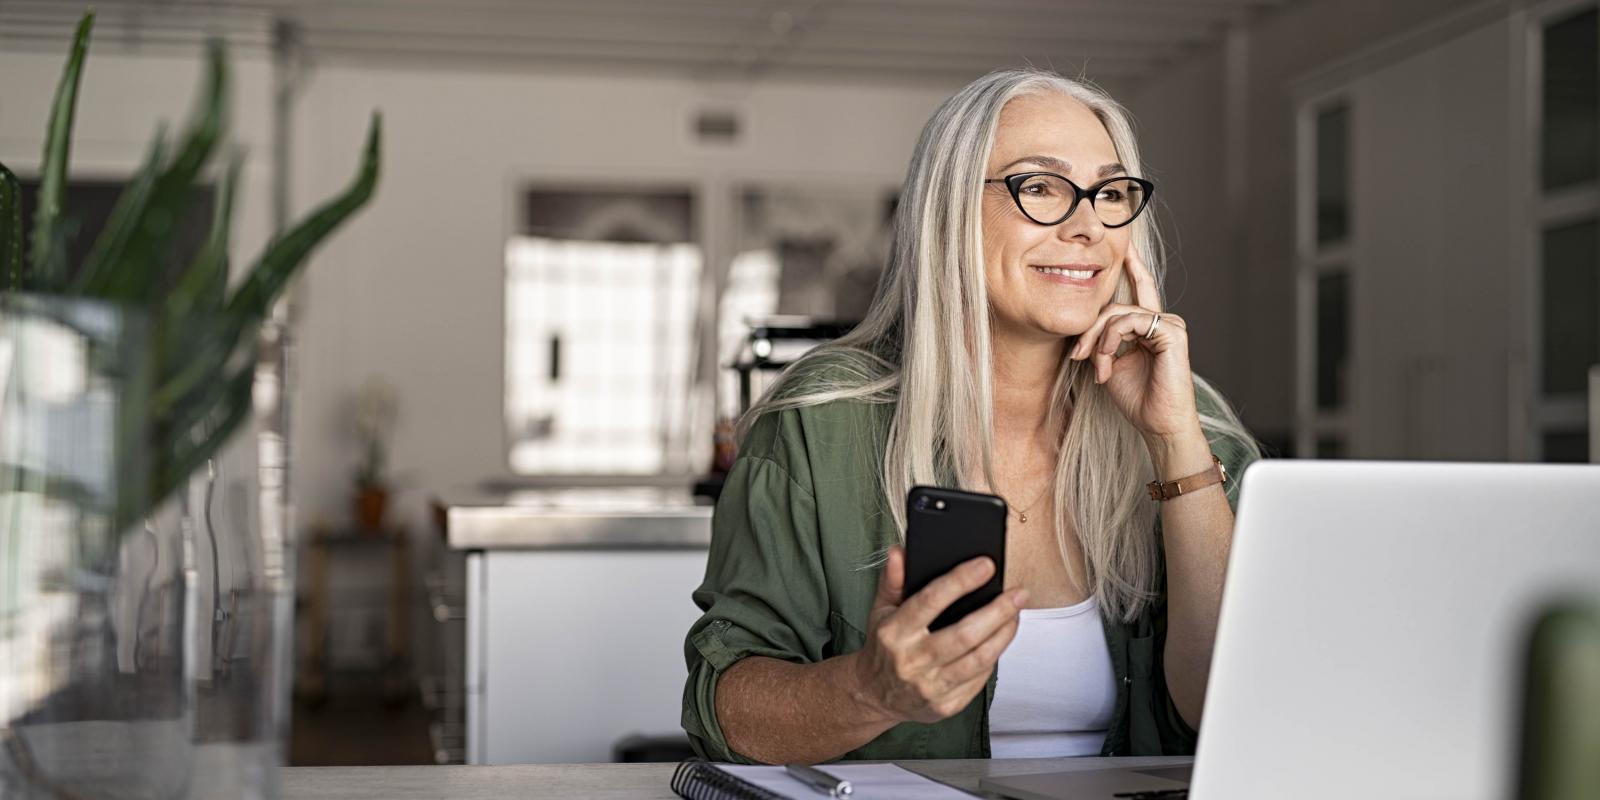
[(1151, 382)]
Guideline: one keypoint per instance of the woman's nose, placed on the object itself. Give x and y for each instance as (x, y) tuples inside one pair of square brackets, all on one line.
[(1081, 225)]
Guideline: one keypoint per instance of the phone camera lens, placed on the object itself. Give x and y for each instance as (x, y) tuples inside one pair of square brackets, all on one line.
[(922, 503)]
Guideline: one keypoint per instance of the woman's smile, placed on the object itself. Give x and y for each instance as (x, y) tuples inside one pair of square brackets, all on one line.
[(1084, 276)]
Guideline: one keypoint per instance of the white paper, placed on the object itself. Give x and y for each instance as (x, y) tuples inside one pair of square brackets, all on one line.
[(867, 782)]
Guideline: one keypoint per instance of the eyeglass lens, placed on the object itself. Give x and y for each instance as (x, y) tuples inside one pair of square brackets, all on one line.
[(1047, 199)]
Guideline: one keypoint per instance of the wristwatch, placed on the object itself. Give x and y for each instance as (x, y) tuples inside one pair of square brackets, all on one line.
[(1182, 486)]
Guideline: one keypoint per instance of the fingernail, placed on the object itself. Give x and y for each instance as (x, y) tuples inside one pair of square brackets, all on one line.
[(1020, 598)]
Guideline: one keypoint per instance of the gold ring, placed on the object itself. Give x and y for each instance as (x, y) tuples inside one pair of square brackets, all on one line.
[(1154, 321)]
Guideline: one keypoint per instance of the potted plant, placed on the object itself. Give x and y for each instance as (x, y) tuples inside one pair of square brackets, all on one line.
[(376, 409), (144, 600)]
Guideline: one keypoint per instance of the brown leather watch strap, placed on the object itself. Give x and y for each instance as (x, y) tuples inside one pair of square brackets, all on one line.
[(1192, 483)]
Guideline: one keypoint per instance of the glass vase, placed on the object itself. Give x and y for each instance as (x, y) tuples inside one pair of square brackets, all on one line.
[(143, 631)]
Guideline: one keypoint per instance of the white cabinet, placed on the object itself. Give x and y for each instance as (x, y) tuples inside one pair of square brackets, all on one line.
[(577, 605), (572, 650)]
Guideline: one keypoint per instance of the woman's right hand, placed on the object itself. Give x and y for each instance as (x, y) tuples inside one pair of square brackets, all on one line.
[(910, 674)]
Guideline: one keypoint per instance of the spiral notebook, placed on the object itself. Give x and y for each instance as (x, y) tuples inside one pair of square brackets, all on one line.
[(703, 780)]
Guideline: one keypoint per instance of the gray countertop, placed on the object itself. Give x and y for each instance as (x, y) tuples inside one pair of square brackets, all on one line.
[(609, 781), (582, 518)]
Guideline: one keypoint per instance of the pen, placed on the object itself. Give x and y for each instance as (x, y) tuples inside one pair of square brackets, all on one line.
[(819, 780)]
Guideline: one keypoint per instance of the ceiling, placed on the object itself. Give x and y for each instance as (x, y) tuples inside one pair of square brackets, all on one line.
[(934, 41)]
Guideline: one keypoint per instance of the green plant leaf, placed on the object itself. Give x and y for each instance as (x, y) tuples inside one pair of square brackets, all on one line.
[(249, 305), (48, 254), (198, 434), (211, 349), (11, 269), (198, 334), (59, 487), (203, 285), (272, 271), (284, 256), (137, 271), (189, 386), (125, 219), (136, 431)]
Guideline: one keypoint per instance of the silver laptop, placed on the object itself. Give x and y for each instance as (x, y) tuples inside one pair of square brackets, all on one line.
[(1372, 631)]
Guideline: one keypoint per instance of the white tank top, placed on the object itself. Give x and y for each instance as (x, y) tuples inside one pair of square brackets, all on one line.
[(1056, 691)]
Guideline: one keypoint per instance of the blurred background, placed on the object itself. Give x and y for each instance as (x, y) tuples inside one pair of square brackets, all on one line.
[(603, 223)]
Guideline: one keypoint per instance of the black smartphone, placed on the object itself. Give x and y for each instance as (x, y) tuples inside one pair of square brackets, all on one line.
[(945, 528)]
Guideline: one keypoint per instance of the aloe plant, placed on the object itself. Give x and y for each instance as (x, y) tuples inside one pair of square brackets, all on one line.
[(203, 336)]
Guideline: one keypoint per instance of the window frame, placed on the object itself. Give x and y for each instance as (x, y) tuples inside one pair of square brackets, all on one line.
[(679, 469), (1314, 260), (1533, 414)]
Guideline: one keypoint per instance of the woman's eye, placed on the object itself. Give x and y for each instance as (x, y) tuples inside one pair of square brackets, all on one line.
[(1037, 189), (1112, 195)]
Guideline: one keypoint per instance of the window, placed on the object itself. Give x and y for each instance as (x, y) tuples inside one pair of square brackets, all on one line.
[(601, 321), (800, 251), (1570, 307), (1333, 175), (1566, 448), (1328, 447), (1571, 95), (1333, 339), (1326, 234), (1565, 229)]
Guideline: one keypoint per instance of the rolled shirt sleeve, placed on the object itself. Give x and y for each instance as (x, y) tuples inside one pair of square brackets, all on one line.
[(764, 592)]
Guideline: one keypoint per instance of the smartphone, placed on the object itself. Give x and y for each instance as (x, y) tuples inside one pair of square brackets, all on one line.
[(946, 528)]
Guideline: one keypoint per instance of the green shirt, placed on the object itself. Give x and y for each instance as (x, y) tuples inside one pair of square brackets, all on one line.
[(800, 514)]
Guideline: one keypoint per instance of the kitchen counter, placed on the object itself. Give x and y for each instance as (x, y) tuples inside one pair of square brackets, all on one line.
[(584, 518)]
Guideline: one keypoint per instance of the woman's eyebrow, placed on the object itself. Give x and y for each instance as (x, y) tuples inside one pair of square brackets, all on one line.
[(1053, 163)]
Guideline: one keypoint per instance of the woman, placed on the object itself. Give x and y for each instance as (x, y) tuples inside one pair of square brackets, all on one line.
[(1017, 346)]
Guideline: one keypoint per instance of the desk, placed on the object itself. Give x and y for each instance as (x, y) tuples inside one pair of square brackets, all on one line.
[(609, 781)]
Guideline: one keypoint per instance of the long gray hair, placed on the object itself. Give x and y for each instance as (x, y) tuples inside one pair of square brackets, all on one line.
[(924, 346)]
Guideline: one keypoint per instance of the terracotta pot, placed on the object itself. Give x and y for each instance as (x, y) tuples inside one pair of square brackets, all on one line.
[(370, 504)]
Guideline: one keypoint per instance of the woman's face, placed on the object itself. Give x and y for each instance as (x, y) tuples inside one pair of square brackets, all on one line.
[(1049, 281)]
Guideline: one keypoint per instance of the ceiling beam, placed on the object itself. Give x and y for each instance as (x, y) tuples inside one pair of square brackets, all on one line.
[(1152, 13), (901, 37), (845, 20), (821, 40)]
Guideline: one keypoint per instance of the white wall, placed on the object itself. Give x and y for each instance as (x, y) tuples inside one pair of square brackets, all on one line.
[(412, 289), (1431, 280), (1181, 132)]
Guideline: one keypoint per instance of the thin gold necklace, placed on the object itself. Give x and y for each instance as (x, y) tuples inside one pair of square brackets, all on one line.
[(1022, 513)]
